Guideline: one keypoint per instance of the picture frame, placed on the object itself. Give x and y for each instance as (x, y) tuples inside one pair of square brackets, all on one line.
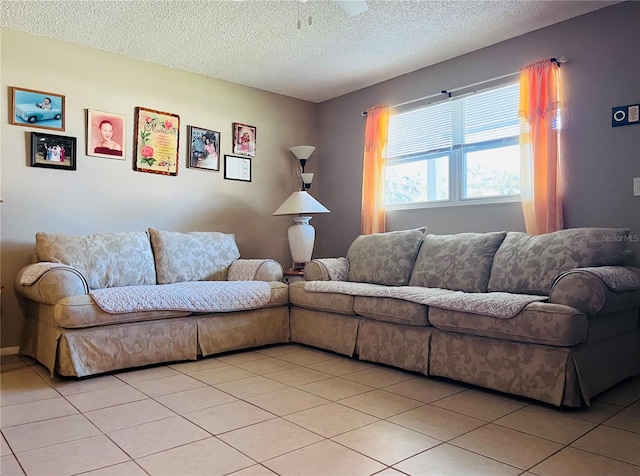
[(33, 108), (106, 134), (53, 151), (244, 139), (203, 149), (157, 141), (237, 168)]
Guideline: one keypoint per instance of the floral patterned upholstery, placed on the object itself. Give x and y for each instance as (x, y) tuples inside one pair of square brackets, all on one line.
[(195, 256), (530, 264), (460, 262), (105, 260), (384, 258)]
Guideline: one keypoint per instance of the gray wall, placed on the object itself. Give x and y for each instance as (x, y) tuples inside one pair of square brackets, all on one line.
[(600, 161), (106, 195)]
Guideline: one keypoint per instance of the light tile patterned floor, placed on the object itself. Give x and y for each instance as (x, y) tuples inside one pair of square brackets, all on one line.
[(294, 410)]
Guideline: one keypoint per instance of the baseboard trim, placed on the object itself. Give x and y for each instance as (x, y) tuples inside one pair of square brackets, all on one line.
[(9, 350)]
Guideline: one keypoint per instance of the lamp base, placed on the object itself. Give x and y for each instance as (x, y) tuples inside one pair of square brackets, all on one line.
[(301, 239)]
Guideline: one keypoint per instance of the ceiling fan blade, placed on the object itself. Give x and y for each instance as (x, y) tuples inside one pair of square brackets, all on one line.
[(353, 7)]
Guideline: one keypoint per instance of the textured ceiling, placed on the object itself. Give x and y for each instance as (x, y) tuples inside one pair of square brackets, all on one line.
[(256, 42)]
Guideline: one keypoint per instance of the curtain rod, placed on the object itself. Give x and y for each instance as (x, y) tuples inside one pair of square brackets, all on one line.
[(557, 61)]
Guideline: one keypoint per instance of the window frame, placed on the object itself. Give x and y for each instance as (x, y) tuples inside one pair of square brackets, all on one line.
[(457, 161)]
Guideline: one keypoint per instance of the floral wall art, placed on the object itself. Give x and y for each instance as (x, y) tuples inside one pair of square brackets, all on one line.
[(157, 141)]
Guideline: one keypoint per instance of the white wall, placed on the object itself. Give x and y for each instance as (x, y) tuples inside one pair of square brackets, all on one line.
[(106, 195)]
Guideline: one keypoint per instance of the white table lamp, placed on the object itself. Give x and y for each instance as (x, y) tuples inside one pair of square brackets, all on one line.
[(302, 235)]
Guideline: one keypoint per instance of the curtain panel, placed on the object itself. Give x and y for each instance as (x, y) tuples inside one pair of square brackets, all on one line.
[(540, 168), (373, 217)]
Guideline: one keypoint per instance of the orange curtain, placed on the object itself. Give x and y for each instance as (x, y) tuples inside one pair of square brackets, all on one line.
[(375, 139), (540, 178)]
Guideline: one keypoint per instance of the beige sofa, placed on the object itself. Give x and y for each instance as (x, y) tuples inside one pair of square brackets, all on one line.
[(111, 301), (551, 317)]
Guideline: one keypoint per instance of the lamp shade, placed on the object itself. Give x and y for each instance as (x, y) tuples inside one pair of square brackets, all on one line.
[(302, 152), (300, 203)]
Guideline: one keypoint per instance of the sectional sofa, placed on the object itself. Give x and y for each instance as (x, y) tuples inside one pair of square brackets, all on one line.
[(551, 317), (117, 300)]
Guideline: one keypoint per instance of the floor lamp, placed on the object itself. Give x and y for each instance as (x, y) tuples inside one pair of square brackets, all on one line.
[(300, 204)]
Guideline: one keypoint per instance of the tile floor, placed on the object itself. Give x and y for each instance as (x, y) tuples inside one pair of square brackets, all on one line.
[(294, 410)]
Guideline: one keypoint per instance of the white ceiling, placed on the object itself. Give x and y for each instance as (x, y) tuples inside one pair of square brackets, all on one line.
[(256, 42)]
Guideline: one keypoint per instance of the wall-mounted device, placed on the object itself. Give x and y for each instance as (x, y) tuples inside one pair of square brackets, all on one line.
[(625, 115)]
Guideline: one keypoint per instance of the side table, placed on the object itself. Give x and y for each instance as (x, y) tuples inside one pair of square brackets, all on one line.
[(292, 276)]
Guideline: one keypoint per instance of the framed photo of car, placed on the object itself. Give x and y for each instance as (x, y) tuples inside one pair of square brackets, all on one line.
[(53, 151), (31, 108)]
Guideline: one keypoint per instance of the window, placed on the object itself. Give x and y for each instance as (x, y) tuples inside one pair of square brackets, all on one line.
[(455, 152)]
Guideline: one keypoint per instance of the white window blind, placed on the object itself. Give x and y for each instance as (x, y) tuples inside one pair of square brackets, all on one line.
[(491, 115), (420, 130)]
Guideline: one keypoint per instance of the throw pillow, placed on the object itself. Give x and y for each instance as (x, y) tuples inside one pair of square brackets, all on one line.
[(529, 264), (195, 256), (106, 259), (460, 262), (384, 258)]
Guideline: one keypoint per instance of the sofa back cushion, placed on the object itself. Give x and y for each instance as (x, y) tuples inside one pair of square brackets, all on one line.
[(460, 262), (529, 264), (195, 256), (106, 260), (384, 258)]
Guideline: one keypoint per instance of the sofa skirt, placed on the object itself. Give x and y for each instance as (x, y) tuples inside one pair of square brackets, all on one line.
[(406, 347), (335, 332), (95, 350), (240, 330), (568, 376)]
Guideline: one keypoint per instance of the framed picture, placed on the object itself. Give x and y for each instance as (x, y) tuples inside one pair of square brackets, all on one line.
[(157, 141), (237, 168), (53, 151), (244, 139), (33, 108), (105, 134), (203, 149)]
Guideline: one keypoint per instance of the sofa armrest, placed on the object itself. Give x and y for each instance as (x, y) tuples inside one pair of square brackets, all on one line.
[(327, 269), (255, 270), (588, 293), (49, 282)]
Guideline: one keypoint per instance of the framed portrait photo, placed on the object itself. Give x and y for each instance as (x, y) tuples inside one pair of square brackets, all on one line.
[(203, 149), (32, 108), (105, 134), (237, 168), (53, 151), (244, 139), (157, 140)]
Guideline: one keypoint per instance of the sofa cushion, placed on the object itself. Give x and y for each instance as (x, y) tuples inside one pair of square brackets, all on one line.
[(460, 262), (195, 256), (392, 310), (539, 323), (106, 260), (530, 264), (384, 258), (331, 302), (81, 311)]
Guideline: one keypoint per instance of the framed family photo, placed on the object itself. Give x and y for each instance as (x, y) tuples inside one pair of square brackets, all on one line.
[(237, 168), (157, 140), (203, 149), (32, 108), (244, 139), (53, 151), (105, 134)]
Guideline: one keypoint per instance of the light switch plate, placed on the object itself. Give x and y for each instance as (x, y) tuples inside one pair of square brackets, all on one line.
[(636, 187)]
